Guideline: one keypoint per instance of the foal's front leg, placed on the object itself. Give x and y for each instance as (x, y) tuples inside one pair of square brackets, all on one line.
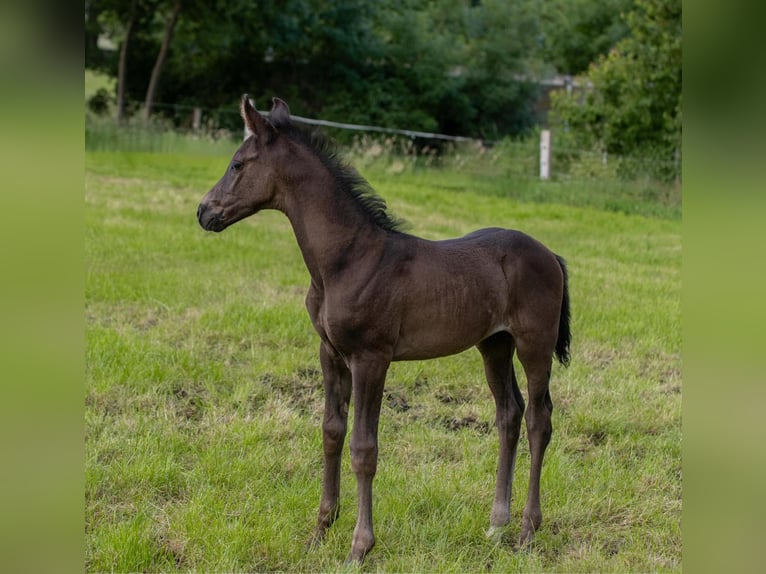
[(369, 375), (337, 387)]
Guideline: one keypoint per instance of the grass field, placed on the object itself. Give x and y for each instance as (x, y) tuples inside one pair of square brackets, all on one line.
[(203, 396)]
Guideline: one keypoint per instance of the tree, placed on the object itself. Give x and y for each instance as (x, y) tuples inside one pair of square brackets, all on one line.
[(123, 21), (455, 66), (501, 53), (161, 56), (575, 33), (635, 105), (123, 62)]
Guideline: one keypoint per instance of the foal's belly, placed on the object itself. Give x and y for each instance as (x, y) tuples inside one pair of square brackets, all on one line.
[(450, 317), (440, 341)]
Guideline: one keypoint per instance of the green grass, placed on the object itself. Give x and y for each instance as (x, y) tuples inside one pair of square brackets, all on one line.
[(203, 397)]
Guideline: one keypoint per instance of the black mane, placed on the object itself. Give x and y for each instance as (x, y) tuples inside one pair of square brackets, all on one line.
[(347, 178)]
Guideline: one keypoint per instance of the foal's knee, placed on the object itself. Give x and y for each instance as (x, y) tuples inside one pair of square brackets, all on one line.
[(364, 457), (333, 434), (508, 419), (539, 421)]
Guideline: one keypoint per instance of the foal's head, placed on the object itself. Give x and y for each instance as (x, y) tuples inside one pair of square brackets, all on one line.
[(250, 181)]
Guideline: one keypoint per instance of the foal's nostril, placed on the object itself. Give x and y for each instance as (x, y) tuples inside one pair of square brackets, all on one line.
[(200, 210)]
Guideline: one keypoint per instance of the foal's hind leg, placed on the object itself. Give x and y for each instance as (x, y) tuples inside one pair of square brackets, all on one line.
[(497, 353), (337, 386), (536, 360)]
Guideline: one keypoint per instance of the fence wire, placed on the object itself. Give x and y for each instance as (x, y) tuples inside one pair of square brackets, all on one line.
[(206, 136)]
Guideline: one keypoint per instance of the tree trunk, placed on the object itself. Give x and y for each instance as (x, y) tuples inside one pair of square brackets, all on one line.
[(121, 73), (157, 70)]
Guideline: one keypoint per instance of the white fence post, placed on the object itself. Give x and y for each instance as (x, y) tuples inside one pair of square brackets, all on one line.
[(545, 154)]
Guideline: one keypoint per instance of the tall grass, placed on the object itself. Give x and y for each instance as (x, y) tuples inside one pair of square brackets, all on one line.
[(510, 168), (204, 401), (156, 136), (580, 178)]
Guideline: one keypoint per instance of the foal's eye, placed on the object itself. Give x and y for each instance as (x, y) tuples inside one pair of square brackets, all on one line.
[(236, 165)]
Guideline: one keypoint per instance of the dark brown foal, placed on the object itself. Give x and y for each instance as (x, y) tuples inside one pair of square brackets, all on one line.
[(379, 295)]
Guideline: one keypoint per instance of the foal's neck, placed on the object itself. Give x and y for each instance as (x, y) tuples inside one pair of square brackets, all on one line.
[(331, 229)]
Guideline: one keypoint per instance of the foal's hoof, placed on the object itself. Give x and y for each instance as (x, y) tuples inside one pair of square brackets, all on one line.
[(495, 534), (316, 538), (357, 556), (353, 563), (361, 545), (527, 535), (313, 542), (500, 535)]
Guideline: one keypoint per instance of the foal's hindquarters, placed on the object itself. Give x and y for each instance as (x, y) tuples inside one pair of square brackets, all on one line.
[(537, 323)]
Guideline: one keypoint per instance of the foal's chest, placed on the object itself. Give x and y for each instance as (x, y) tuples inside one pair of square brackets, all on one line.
[(348, 323)]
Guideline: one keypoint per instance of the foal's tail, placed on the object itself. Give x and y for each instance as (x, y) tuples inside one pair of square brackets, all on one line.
[(565, 336)]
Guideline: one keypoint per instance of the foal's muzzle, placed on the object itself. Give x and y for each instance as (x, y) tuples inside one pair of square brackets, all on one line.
[(208, 220)]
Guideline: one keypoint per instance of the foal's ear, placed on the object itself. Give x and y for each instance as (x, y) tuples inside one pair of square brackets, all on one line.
[(255, 123), (280, 112)]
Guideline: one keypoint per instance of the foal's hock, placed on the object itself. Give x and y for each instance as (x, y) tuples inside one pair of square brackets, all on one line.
[(378, 295)]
